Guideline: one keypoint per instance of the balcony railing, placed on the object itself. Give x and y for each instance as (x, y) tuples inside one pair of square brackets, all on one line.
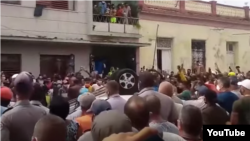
[(114, 23), (10, 1)]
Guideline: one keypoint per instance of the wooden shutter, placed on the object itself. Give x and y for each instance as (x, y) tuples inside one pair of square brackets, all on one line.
[(59, 4), (45, 3)]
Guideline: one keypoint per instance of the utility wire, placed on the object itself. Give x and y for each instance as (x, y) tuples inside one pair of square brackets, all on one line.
[(22, 31)]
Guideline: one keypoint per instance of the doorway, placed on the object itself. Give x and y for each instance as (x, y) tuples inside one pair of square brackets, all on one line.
[(117, 57), (159, 59), (54, 64), (198, 52)]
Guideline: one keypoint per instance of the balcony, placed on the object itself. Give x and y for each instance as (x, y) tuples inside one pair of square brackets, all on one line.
[(115, 24), (108, 23)]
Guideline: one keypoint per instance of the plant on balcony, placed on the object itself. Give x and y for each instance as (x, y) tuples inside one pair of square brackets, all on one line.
[(137, 25)]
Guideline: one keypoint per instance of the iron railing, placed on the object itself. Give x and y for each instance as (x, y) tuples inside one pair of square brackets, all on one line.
[(116, 20)]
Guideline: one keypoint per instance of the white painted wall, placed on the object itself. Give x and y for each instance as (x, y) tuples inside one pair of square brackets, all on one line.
[(30, 53), (18, 20)]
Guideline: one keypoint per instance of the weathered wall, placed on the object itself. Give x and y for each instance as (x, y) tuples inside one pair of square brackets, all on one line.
[(184, 33)]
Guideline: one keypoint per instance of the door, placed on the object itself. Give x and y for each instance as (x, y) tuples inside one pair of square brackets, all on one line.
[(159, 59), (165, 47), (230, 55), (166, 60)]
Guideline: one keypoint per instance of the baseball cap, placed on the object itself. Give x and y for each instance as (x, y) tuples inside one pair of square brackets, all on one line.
[(211, 96), (23, 82), (231, 74), (86, 100), (23, 77), (234, 80), (6, 93), (14, 76), (245, 83), (83, 90), (202, 90), (99, 106)]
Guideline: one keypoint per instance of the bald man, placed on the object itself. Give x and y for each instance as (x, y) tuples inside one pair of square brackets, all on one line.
[(146, 84), (50, 128), (168, 89), (156, 121), (137, 110)]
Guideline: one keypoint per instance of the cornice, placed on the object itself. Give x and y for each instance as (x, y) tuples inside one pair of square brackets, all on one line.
[(148, 10)]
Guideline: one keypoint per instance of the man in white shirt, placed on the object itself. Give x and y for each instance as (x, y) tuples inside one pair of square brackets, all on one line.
[(114, 98), (97, 86)]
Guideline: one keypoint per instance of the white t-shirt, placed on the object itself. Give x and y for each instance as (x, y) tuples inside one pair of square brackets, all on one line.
[(96, 87)]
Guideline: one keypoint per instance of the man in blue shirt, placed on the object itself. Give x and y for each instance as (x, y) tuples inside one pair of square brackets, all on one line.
[(6, 95), (99, 67), (225, 97), (103, 7)]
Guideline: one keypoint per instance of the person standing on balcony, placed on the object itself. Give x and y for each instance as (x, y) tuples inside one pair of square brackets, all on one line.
[(126, 12), (103, 8), (108, 13), (96, 11), (113, 14), (119, 14)]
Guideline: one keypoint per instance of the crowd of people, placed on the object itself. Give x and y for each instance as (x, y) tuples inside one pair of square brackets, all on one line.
[(106, 12), (174, 107)]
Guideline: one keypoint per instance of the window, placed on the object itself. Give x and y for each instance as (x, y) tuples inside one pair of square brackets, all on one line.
[(11, 63), (230, 47), (164, 43), (58, 4), (11, 1)]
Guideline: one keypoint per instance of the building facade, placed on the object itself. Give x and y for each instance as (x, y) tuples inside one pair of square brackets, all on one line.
[(194, 31), (54, 36)]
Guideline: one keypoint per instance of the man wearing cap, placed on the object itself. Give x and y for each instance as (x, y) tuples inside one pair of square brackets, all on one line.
[(17, 123), (200, 103), (234, 86), (100, 105), (6, 95), (85, 121), (241, 107)]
